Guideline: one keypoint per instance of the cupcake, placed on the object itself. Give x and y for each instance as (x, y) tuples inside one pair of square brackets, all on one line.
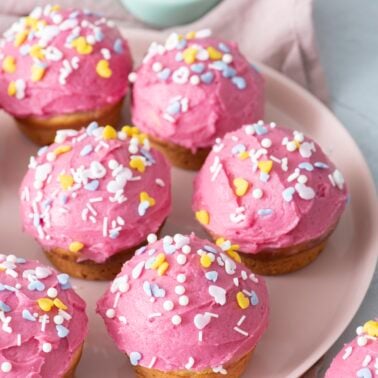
[(192, 90), (359, 358), (183, 307), (272, 192), (43, 321), (91, 198), (61, 69)]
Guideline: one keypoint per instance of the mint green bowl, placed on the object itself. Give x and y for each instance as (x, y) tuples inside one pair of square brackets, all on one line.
[(166, 13)]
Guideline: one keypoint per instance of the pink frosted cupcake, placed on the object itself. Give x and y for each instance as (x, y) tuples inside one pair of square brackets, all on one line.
[(192, 90), (359, 358), (274, 193), (43, 321), (92, 197), (188, 297), (62, 69)]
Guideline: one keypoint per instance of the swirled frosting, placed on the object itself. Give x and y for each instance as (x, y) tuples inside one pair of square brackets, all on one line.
[(359, 358), (95, 192), (43, 321), (266, 187), (58, 61), (194, 89), (180, 299)]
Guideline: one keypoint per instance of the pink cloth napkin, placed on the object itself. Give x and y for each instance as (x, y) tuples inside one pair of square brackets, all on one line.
[(276, 32)]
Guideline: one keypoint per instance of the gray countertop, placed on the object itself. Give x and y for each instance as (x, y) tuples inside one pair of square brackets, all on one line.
[(347, 33)]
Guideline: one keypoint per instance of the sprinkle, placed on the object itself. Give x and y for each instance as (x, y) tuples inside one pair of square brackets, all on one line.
[(203, 217), (6, 367), (239, 82), (4, 307), (265, 166), (135, 357), (75, 246), (27, 315), (103, 70), (136, 162), (52, 292), (164, 74), (257, 193), (163, 268), (241, 186), (180, 290), (207, 77), (152, 363), (81, 46), (183, 300), (241, 321), (110, 313), (66, 181), (59, 304), (181, 259), (371, 328), (118, 46), (241, 331), (206, 260), (46, 347), (168, 305), (214, 54), (190, 363), (218, 294), (201, 321), (176, 320), (9, 64), (264, 212), (288, 193), (45, 304), (86, 150), (321, 165), (242, 300), (109, 133), (37, 72)]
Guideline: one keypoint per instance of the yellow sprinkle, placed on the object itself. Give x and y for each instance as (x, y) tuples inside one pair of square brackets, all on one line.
[(21, 38), (163, 268), (75, 246), (9, 64), (109, 133), (143, 196), (214, 54), (37, 72), (189, 55), (160, 258), (141, 138), (130, 130), (297, 143), (59, 304), (82, 46), (62, 150), (191, 35), (371, 328), (45, 304), (206, 260), (219, 241), (234, 255), (55, 8), (203, 217), (243, 155), (31, 22), (12, 88), (242, 300), (103, 69), (241, 186), (265, 166), (66, 181), (137, 163), (37, 52)]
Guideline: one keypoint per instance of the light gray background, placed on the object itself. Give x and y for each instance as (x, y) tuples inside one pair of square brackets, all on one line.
[(347, 33)]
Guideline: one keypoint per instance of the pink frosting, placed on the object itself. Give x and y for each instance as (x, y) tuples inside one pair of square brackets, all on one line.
[(70, 82), (191, 104), (358, 359), (299, 200), (85, 190), (34, 342), (176, 319)]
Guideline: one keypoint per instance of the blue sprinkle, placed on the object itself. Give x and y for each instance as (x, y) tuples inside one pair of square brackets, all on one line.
[(92, 127), (239, 148), (62, 331), (260, 129), (64, 280), (212, 275), (219, 65), (36, 286), (7, 287), (140, 250), (4, 307), (210, 249), (173, 108), (264, 177), (169, 248), (42, 150), (2, 287), (307, 166), (92, 186), (264, 212), (24, 50), (207, 77), (364, 372), (239, 82), (223, 47), (99, 35), (147, 288), (118, 46), (288, 193), (142, 208), (147, 155), (27, 315), (157, 291), (321, 165), (135, 357), (254, 299), (164, 74), (113, 234), (197, 68), (179, 57), (181, 44), (228, 72), (86, 150), (63, 198)]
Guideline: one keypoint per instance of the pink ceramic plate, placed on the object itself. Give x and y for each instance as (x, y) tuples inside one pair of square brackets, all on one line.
[(310, 308)]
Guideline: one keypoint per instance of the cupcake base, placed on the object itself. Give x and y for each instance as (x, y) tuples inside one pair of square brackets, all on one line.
[(181, 157), (234, 370), (70, 373), (42, 131), (285, 260)]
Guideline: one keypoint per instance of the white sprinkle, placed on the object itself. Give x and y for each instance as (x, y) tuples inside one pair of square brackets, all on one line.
[(190, 363), (266, 143), (110, 313), (47, 347), (97, 199), (200, 336), (181, 259), (19, 340), (241, 320), (257, 193), (151, 238), (236, 281), (179, 290), (116, 299), (52, 292), (122, 319), (331, 180), (152, 363), (181, 278), (160, 182), (132, 77), (241, 331), (212, 315), (168, 305), (366, 360), (302, 179), (183, 300), (105, 227), (58, 319), (361, 341), (186, 249), (176, 320), (154, 315), (157, 67), (6, 367)]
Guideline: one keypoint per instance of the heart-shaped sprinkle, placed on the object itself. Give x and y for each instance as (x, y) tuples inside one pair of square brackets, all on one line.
[(4, 307), (27, 315), (63, 278), (288, 193), (103, 69), (243, 300), (96, 170), (45, 304), (265, 166), (62, 331), (218, 293), (9, 64), (214, 54), (137, 163), (92, 185), (92, 127), (306, 149), (36, 286), (364, 372), (201, 321), (164, 74), (120, 284), (228, 72), (66, 181), (239, 82), (59, 304), (241, 186), (157, 291), (189, 55), (197, 68), (81, 46), (371, 328), (307, 166), (305, 192), (203, 217), (207, 77), (42, 272), (135, 357), (75, 246), (145, 197), (109, 132), (206, 260), (212, 275), (254, 298)]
